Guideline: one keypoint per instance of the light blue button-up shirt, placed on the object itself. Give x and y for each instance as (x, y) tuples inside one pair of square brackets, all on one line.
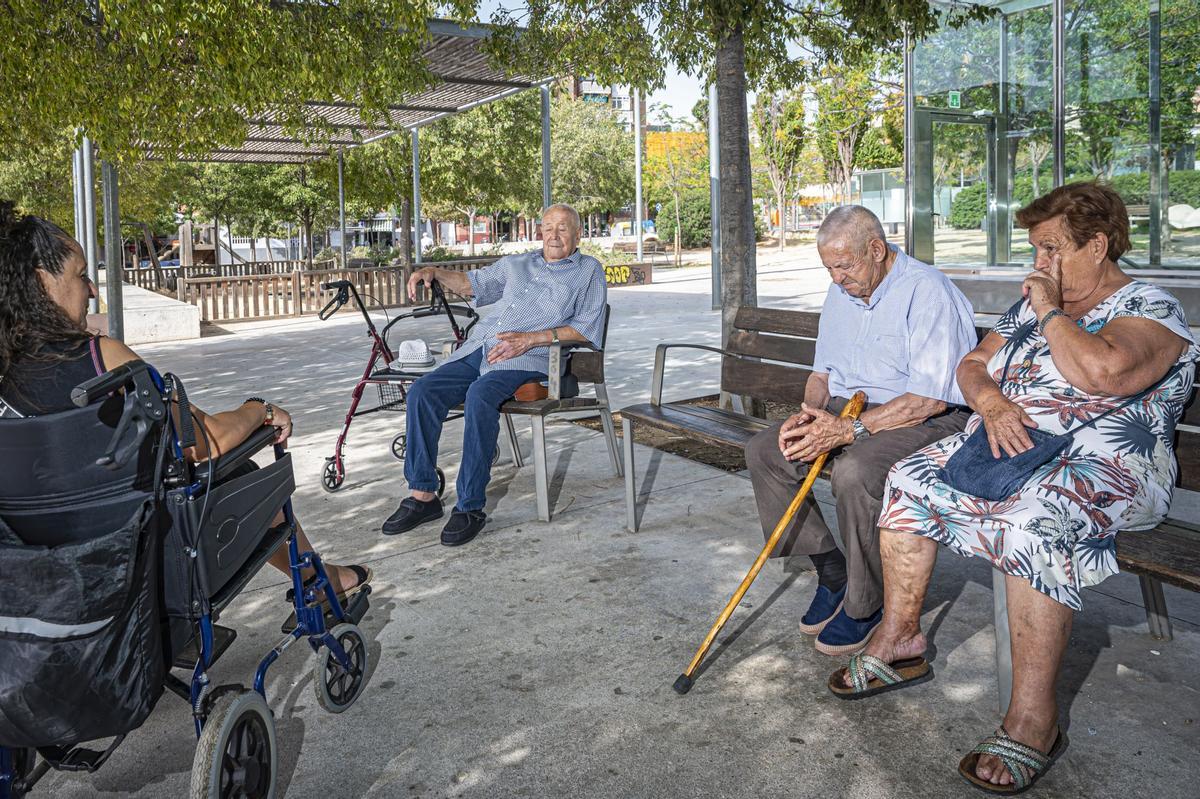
[(536, 294), (908, 339)]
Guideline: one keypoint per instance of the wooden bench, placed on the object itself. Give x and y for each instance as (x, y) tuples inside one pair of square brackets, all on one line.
[(768, 356)]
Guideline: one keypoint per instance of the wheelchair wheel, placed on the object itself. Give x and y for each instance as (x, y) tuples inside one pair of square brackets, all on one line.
[(400, 446), (441, 489), (236, 753), (336, 688), (23, 761), (331, 477)]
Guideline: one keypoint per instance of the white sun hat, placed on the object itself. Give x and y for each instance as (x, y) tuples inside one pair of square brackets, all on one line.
[(413, 354)]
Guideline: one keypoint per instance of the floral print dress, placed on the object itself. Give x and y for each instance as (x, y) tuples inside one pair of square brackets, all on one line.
[(1059, 531)]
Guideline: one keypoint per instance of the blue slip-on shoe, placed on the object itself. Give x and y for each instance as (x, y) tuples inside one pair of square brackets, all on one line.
[(825, 605), (844, 635)]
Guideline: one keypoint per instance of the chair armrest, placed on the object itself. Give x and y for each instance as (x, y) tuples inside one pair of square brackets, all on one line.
[(223, 464), (660, 363), (554, 374)]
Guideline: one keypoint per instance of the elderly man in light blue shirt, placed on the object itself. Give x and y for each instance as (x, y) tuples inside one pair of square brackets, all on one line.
[(895, 329), (556, 294)]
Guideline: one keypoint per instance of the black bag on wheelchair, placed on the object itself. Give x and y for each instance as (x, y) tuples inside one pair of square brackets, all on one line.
[(80, 550)]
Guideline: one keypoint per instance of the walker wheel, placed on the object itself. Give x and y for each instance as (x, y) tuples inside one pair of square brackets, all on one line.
[(332, 477), (441, 476), (236, 754), (400, 446), (336, 687)]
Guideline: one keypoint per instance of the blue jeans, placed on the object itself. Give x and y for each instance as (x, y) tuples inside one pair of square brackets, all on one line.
[(429, 400)]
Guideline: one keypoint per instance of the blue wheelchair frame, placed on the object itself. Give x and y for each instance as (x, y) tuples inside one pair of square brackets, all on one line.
[(310, 616)]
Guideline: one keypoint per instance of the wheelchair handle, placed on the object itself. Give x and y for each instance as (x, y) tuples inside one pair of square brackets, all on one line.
[(88, 392)]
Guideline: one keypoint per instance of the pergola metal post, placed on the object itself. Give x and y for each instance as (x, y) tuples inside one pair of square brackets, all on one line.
[(77, 188), (342, 202), (910, 215), (637, 169), (416, 169), (89, 210), (714, 193), (1059, 130), (113, 251), (545, 147), (1155, 165)]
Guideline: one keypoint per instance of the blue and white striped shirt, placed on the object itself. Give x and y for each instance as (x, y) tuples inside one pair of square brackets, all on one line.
[(535, 294)]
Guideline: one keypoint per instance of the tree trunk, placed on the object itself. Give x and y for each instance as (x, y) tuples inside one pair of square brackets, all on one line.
[(678, 230), (306, 224), (738, 268), (254, 246), (781, 206), (159, 279), (471, 232)]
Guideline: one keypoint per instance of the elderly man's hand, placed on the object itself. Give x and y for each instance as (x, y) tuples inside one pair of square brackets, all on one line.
[(511, 345), (425, 275), (824, 432)]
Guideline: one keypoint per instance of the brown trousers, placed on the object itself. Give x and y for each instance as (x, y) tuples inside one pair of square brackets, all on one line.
[(859, 473)]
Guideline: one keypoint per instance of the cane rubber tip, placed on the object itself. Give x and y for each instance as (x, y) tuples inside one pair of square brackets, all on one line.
[(683, 684)]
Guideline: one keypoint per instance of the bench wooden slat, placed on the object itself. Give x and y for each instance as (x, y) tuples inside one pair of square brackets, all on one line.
[(777, 320), (768, 381), (675, 419), (750, 424), (1170, 552), (772, 347), (587, 366)]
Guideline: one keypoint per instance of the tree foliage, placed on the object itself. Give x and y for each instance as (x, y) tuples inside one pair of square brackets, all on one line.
[(591, 157), (779, 121)]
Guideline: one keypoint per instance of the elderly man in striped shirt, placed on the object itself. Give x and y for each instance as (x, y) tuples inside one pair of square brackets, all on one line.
[(542, 297)]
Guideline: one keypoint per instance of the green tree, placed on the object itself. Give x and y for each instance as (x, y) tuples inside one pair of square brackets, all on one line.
[(779, 122), (591, 157), (679, 167), (474, 160)]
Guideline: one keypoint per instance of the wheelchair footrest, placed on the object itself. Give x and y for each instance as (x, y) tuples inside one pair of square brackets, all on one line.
[(77, 758), (223, 637), (359, 604)]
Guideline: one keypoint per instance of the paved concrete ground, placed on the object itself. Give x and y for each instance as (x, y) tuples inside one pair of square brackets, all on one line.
[(537, 661)]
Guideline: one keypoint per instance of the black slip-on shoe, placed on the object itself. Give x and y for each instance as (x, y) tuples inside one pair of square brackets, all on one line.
[(463, 526), (412, 512)]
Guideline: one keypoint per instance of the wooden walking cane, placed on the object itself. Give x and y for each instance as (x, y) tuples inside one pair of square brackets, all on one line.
[(684, 683)]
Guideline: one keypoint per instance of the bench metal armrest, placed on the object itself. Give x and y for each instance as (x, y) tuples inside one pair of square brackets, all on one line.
[(555, 368), (660, 363)]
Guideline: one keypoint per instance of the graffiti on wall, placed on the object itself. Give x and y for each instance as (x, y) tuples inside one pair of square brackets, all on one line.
[(627, 275)]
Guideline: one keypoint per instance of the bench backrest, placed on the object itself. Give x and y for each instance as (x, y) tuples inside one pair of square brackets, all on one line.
[(786, 342), (588, 366)]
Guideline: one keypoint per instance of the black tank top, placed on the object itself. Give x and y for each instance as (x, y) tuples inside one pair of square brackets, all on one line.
[(36, 387)]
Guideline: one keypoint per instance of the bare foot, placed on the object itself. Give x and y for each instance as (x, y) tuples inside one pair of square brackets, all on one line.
[(342, 578), (891, 645), (1032, 729)]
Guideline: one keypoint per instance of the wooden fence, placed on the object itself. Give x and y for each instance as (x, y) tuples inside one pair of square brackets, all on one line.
[(149, 278)]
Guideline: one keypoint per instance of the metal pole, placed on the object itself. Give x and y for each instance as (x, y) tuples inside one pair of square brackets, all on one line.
[(1059, 133), (416, 153), (342, 201), (714, 192), (113, 251), (637, 169), (545, 147), (89, 211), (1156, 165), (909, 161), (77, 188)]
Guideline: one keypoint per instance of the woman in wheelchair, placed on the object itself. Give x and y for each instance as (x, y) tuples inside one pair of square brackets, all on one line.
[(46, 350)]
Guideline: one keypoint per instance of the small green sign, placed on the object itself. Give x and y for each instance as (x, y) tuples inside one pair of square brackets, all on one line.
[(954, 100)]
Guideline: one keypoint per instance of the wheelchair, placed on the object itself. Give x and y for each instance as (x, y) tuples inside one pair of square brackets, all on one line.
[(118, 557)]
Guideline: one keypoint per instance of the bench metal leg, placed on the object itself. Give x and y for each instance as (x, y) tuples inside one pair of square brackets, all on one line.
[(610, 432), (631, 522), (1003, 640), (514, 447), (540, 477), (1156, 608)]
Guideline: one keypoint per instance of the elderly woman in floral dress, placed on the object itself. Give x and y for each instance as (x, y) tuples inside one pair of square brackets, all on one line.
[(1085, 339)]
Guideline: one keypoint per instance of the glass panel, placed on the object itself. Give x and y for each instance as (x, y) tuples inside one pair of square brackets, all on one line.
[(960, 193), (1180, 73), (959, 69), (1030, 114), (1107, 115)]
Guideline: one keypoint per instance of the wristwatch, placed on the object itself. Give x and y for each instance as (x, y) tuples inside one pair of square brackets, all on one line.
[(554, 335), (267, 405), (860, 430)]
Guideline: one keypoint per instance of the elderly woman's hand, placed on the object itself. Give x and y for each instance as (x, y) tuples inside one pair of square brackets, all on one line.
[(1043, 289), (1005, 422), (282, 422)]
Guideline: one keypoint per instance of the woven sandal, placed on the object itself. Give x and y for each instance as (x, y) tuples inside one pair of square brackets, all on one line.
[(1025, 764), (870, 676)]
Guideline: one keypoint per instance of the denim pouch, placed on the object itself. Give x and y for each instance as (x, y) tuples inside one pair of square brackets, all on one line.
[(974, 470)]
